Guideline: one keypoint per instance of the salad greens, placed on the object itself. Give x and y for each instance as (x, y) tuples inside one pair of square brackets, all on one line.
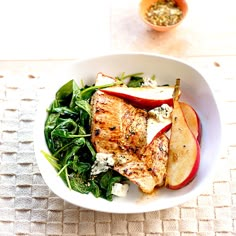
[(67, 135)]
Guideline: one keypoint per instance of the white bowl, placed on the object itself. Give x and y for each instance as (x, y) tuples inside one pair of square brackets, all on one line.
[(195, 91)]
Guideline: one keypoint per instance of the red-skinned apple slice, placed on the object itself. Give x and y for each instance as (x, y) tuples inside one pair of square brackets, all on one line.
[(144, 97), (184, 150), (192, 120), (156, 128)]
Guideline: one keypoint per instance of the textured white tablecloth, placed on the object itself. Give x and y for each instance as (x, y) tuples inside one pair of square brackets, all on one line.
[(28, 207)]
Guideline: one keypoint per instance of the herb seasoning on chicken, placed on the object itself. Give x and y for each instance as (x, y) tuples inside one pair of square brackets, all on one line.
[(127, 141)]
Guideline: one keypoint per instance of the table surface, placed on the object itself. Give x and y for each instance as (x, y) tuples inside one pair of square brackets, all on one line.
[(37, 37)]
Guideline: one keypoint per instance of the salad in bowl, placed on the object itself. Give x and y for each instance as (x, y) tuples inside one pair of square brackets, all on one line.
[(127, 137)]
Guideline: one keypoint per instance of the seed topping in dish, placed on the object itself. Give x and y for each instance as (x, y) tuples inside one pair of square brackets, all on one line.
[(164, 13)]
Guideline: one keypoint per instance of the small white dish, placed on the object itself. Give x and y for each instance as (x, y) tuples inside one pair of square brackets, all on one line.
[(195, 91)]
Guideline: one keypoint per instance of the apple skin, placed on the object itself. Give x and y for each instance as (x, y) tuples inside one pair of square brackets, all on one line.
[(191, 175), (143, 97), (184, 152), (192, 120)]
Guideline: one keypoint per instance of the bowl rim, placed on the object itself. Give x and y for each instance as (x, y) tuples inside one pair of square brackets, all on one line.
[(141, 209)]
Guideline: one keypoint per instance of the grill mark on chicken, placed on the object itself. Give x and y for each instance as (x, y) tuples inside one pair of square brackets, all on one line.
[(115, 121), (134, 126), (121, 129), (136, 171), (155, 156)]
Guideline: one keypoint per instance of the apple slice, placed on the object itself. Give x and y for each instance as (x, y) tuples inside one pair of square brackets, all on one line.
[(156, 128), (192, 120), (184, 150), (144, 97)]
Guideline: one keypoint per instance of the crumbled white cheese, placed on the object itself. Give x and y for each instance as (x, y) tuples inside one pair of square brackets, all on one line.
[(120, 190), (149, 82), (103, 162), (162, 112)]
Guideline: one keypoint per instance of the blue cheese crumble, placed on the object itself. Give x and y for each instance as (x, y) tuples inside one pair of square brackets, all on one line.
[(120, 190), (103, 162), (161, 113), (149, 82)]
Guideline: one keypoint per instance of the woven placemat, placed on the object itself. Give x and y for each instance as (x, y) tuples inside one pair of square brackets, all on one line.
[(28, 207)]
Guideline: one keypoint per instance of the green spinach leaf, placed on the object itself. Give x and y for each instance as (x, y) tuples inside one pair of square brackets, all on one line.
[(135, 81)]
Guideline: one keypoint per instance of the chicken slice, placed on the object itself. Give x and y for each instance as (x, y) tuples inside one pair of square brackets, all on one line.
[(119, 128), (155, 156), (136, 171), (116, 125)]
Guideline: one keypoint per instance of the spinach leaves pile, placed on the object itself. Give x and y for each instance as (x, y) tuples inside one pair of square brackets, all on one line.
[(67, 134)]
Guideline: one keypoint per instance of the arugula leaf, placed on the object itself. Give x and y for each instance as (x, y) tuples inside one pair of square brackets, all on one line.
[(64, 111), (50, 125), (68, 92), (52, 160), (66, 128), (104, 182), (135, 81), (91, 149), (64, 93), (94, 188), (79, 185), (80, 167), (75, 95)]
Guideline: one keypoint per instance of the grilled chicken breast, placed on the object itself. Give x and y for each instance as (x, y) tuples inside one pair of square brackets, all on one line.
[(155, 156), (121, 129), (117, 125)]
